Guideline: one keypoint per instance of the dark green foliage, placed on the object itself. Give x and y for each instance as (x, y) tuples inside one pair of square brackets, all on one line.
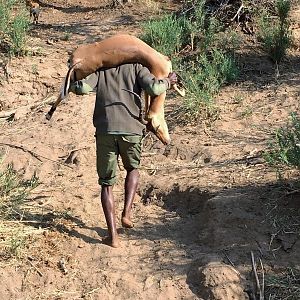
[(164, 35)]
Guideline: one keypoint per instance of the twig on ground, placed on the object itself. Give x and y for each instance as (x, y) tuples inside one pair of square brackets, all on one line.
[(90, 292), (273, 235), (148, 154), (10, 113), (237, 13), (47, 100), (259, 289), (263, 278), (257, 286), (292, 192), (231, 263), (34, 154), (37, 270)]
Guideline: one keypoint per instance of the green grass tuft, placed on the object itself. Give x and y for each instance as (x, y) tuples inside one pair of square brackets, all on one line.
[(274, 33), (14, 25), (284, 149)]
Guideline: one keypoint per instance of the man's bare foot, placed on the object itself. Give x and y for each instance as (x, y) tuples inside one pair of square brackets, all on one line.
[(126, 222), (113, 242)]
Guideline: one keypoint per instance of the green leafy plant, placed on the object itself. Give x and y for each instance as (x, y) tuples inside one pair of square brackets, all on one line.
[(14, 24), (14, 192), (164, 34), (67, 36), (285, 147), (195, 43), (274, 33)]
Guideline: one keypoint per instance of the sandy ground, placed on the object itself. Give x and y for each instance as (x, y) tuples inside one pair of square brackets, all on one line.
[(204, 202)]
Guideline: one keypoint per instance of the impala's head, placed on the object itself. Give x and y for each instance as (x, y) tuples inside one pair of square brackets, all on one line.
[(159, 127)]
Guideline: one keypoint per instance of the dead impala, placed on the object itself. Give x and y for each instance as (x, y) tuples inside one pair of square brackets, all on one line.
[(114, 51)]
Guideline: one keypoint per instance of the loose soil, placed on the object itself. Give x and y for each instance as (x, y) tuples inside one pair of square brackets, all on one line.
[(204, 202)]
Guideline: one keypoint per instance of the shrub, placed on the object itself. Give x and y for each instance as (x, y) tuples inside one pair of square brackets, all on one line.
[(285, 147), (274, 33), (13, 191), (14, 24), (201, 51), (203, 78), (164, 35)]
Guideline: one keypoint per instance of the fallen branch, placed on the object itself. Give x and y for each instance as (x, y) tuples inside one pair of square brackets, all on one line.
[(34, 154), (10, 113), (237, 13), (259, 289), (37, 270)]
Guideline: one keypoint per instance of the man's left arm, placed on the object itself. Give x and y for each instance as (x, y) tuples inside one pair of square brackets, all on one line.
[(153, 86)]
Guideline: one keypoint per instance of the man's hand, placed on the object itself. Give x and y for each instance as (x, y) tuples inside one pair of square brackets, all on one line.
[(172, 78)]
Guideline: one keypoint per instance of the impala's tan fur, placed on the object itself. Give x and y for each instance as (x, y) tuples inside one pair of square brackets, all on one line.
[(117, 50)]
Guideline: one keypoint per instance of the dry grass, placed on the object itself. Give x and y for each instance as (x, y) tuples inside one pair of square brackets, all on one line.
[(15, 237), (283, 286), (285, 220), (14, 192)]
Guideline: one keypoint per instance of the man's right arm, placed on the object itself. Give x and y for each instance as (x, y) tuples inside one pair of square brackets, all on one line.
[(85, 86)]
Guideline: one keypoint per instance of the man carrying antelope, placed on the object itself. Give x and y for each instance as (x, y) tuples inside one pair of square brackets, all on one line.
[(118, 69), (119, 131)]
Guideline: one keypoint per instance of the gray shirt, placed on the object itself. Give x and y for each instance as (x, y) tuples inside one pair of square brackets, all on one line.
[(117, 111)]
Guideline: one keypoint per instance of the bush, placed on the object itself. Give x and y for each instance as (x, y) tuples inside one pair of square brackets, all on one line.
[(14, 24), (285, 147), (202, 53), (203, 78), (274, 33), (13, 191), (164, 35)]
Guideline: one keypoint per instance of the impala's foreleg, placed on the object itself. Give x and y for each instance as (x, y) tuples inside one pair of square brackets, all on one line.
[(156, 119)]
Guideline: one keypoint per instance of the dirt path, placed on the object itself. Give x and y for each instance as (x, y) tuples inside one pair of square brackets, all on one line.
[(205, 199)]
